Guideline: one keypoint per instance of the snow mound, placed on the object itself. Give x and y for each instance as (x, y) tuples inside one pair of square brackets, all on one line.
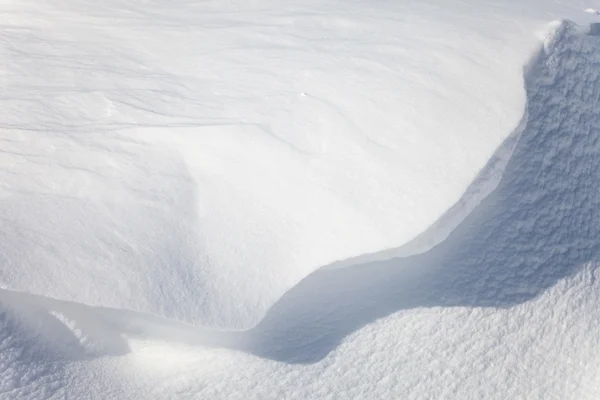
[(539, 226), (505, 307), (195, 161)]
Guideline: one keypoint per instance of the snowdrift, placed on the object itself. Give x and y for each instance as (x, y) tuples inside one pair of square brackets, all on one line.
[(538, 227), (511, 295), (195, 161)]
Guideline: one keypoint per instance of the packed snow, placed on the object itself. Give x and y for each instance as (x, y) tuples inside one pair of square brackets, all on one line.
[(299, 199)]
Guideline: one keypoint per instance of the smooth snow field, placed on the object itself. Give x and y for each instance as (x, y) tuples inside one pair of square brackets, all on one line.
[(299, 199)]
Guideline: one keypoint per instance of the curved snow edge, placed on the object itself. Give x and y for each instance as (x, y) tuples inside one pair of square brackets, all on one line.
[(487, 179), (115, 325)]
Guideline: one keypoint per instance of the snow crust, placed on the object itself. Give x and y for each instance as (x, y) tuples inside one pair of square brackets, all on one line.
[(140, 190)]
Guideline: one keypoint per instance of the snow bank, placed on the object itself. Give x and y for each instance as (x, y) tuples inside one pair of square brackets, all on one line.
[(505, 307), (196, 160), (538, 227)]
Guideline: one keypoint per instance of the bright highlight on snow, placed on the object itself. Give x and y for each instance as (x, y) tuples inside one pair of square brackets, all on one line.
[(299, 199)]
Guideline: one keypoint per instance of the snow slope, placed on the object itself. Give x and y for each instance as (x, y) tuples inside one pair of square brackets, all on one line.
[(501, 301), (197, 160), (506, 307)]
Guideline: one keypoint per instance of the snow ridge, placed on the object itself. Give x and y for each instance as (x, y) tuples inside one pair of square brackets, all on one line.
[(511, 238), (538, 228), (198, 173)]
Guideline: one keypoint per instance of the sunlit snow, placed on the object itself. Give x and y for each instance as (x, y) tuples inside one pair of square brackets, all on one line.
[(299, 199)]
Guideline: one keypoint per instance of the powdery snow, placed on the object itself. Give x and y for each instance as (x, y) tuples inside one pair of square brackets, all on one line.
[(197, 160), (199, 163)]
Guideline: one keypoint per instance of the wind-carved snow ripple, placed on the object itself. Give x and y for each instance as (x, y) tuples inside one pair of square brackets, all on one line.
[(539, 226)]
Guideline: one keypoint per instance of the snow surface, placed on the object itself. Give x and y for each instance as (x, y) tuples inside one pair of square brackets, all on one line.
[(197, 160), (171, 169)]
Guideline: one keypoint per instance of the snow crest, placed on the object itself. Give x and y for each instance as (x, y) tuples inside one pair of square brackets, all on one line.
[(501, 303), (195, 161), (538, 227), (528, 254)]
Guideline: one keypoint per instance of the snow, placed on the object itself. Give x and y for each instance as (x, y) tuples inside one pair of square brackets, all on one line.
[(299, 199), (174, 167)]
